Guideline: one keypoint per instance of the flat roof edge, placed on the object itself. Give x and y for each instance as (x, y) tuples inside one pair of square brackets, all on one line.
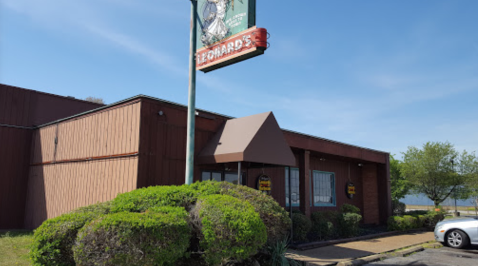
[(200, 110)]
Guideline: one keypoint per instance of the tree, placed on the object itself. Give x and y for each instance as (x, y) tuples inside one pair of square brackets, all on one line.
[(94, 100), (399, 185), (438, 169)]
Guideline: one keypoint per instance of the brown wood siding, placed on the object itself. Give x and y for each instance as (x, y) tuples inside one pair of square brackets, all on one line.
[(163, 142), (110, 132), (14, 159), (94, 159), (59, 188)]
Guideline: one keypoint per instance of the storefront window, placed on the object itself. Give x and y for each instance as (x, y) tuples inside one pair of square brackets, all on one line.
[(222, 176), (294, 174), (324, 188)]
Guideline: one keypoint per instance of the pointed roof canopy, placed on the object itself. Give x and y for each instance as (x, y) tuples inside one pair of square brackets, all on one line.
[(256, 138)]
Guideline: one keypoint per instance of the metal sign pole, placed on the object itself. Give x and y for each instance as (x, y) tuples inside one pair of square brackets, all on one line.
[(290, 206), (192, 97)]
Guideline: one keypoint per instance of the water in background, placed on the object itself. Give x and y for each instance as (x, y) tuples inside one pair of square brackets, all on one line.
[(423, 200)]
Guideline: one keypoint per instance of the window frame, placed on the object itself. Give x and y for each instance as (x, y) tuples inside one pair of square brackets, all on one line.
[(333, 187), (287, 186), (223, 175)]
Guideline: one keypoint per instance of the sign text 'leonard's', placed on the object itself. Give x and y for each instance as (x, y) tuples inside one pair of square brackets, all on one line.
[(239, 47)]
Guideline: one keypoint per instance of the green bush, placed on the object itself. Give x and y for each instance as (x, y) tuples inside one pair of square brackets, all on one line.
[(150, 238), (395, 223), (433, 217), (421, 221), (348, 224), (140, 200), (349, 208), (322, 227), (230, 228), (416, 212), (53, 240), (410, 222), (275, 218), (99, 208), (301, 226)]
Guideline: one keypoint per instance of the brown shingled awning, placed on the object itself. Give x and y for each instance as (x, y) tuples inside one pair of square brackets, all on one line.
[(256, 138)]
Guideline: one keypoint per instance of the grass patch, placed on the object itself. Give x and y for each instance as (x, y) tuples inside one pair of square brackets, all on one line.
[(14, 247)]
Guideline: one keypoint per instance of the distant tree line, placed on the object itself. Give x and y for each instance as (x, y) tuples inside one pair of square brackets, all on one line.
[(436, 170)]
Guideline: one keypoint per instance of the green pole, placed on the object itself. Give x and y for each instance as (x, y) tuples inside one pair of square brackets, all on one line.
[(192, 97)]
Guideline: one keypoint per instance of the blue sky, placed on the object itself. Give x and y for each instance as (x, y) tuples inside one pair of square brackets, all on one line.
[(380, 74)]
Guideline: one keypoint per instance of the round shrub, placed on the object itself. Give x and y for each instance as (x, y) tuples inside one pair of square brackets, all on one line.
[(150, 238), (53, 240), (410, 222), (275, 218), (433, 217), (140, 200), (349, 208), (348, 224), (421, 221), (229, 228), (395, 223), (99, 208), (321, 226), (301, 226)]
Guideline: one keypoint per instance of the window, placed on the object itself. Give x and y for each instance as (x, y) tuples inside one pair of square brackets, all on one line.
[(324, 188), (222, 176), (294, 174)]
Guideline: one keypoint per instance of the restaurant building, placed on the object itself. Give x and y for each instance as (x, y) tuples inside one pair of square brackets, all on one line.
[(87, 153)]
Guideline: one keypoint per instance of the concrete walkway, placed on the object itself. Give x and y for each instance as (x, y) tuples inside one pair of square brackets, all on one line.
[(331, 255)]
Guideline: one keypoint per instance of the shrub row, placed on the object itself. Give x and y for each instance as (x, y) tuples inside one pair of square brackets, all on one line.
[(327, 224), (415, 219), (161, 225)]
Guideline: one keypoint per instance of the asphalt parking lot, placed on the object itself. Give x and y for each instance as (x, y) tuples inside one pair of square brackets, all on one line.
[(444, 256)]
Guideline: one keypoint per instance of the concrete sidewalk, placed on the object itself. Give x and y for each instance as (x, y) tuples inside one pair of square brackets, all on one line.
[(331, 255)]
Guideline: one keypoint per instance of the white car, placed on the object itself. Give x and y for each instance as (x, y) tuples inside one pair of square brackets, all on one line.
[(457, 232)]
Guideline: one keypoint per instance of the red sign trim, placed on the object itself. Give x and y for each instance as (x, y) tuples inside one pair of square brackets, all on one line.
[(239, 47)]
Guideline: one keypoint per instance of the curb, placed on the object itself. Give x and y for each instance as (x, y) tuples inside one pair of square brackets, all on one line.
[(377, 257), (320, 244)]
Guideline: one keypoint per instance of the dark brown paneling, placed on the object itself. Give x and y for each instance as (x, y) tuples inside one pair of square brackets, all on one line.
[(163, 142), (384, 195), (22, 107), (14, 158), (305, 142), (344, 172)]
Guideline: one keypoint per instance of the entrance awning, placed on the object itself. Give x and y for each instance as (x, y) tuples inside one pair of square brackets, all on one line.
[(256, 138)]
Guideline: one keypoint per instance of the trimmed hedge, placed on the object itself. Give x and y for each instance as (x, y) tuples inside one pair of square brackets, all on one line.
[(140, 200), (99, 208), (348, 224), (430, 219), (275, 218), (410, 222), (301, 226), (150, 238), (53, 240), (395, 223), (230, 228), (349, 208), (322, 227)]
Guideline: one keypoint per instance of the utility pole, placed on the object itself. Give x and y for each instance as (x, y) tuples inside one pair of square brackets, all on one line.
[(192, 97)]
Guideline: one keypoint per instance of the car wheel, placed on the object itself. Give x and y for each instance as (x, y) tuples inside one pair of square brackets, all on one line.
[(457, 239)]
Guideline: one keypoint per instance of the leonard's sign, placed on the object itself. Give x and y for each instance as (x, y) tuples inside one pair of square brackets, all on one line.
[(227, 33)]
